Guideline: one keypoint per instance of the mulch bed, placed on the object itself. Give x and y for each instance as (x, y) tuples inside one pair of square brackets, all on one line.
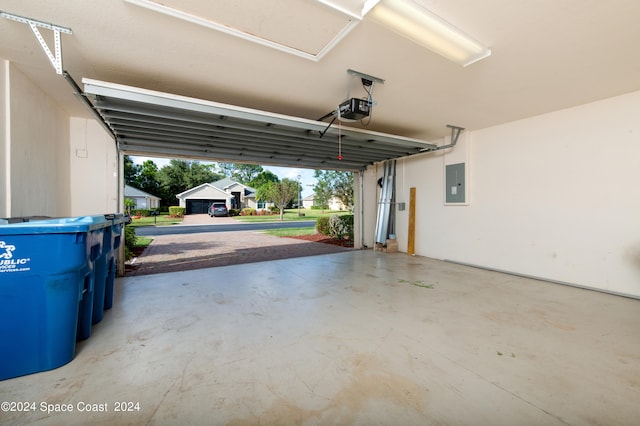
[(319, 238), (137, 251)]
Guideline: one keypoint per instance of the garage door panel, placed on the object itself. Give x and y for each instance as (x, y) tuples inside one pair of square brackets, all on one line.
[(199, 206), (162, 123)]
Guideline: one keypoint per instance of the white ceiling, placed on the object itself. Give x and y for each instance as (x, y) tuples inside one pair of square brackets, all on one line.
[(546, 55)]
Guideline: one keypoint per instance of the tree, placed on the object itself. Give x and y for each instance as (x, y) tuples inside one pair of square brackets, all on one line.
[(172, 181), (180, 175), (147, 179), (131, 171), (342, 184), (245, 173), (144, 177), (129, 204), (322, 190), (226, 169), (264, 177), (198, 173), (279, 193), (332, 183)]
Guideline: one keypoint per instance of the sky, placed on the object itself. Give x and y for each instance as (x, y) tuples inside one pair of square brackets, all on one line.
[(306, 175)]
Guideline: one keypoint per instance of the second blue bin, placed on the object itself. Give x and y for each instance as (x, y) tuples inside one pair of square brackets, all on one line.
[(105, 266)]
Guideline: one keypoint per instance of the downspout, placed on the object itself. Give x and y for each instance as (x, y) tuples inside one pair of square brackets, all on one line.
[(120, 268), (362, 246)]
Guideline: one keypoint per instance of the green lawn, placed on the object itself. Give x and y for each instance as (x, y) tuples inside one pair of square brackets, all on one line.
[(290, 232), (291, 215), (157, 220), (143, 241)]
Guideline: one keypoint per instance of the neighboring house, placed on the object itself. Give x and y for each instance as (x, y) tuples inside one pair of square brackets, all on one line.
[(234, 194), (334, 203), (307, 202), (142, 199)]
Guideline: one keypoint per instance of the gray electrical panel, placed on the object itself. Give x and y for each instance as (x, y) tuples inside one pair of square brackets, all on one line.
[(454, 183)]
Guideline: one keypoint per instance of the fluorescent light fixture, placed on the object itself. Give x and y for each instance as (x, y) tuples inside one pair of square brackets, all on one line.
[(413, 21)]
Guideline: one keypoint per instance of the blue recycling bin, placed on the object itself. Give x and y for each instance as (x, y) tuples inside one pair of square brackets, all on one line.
[(115, 241), (94, 283), (105, 266), (46, 286)]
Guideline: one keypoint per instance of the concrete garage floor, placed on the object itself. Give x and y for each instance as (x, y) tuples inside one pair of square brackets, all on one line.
[(358, 337)]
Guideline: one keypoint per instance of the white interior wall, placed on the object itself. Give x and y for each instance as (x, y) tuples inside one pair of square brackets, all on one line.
[(94, 171), (36, 150), (554, 196), (5, 201)]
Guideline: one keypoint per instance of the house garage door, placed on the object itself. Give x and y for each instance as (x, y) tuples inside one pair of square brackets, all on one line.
[(196, 206)]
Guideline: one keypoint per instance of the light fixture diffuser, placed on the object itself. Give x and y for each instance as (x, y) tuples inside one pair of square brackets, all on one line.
[(413, 21), (307, 29)]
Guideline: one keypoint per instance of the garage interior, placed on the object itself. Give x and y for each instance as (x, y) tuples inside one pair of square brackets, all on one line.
[(521, 302)]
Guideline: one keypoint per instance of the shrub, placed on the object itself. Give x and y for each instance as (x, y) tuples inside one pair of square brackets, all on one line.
[(234, 212), (336, 226), (274, 209), (322, 225), (346, 223), (129, 241), (142, 212), (175, 211), (248, 211)]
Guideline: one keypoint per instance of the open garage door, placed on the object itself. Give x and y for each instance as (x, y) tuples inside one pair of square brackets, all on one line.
[(153, 123), (198, 206)]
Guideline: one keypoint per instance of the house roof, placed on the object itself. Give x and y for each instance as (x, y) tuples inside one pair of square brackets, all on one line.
[(221, 186), (202, 187), (226, 182), (130, 191)]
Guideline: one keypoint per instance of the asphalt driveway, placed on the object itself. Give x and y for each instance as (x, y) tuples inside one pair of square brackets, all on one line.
[(182, 252)]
